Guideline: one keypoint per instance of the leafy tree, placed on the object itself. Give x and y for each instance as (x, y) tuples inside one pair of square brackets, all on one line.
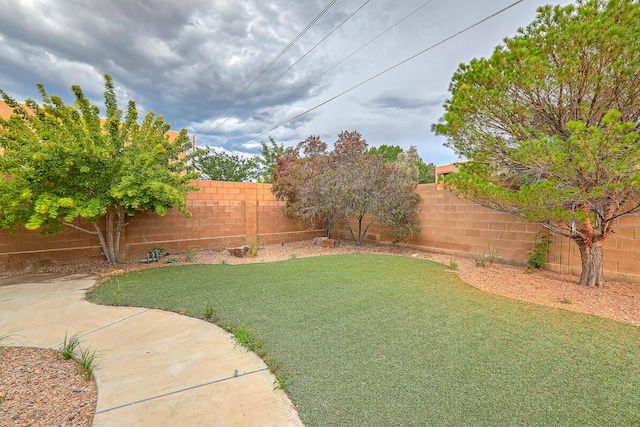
[(550, 124), (61, 163), (390, 153), (223, 166), (345, 184), (267, 160)]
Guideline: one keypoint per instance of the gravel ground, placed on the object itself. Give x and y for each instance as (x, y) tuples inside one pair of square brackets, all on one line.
[(39, 389)]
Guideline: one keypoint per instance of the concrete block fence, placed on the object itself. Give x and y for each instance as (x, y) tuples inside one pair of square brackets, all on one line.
[(230, 214)]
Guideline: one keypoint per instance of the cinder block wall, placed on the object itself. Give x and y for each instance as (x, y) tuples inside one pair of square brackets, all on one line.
[(454, 226), (229, 214)]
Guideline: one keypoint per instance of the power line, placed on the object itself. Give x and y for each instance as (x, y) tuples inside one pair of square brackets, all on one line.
[(288, 69), (276, 59), (345, 58), (493, 15)]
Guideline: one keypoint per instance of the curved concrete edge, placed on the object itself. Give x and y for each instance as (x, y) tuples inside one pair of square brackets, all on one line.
[(154, 368)]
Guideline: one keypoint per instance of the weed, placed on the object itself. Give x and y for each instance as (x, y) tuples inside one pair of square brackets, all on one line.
[(235, 373), (538, 257), (35, 267), (68, 347), (293, 256), (244, 336), (116, 293), (87, 361), (479, 258), (209, 312), (282, 383), (452, 264), (566, 301), (224, 262), (190, 254), (4, 397), (171, 260)]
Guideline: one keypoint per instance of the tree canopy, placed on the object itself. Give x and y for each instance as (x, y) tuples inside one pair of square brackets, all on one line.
[(548, 126), (346, 184), (61, 163), (224, 166), (390, 153)]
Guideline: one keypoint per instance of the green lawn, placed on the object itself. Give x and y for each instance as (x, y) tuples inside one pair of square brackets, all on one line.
[(376, 340)]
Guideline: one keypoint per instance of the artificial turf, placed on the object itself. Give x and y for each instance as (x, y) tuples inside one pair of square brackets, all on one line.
[(375, 340)]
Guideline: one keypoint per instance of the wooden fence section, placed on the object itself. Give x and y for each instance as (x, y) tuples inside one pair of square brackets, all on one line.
[(231, 214)]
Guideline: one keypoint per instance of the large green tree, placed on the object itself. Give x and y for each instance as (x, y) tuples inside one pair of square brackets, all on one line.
[(223, 166), (390, 153), (549, 125), (61, 163)]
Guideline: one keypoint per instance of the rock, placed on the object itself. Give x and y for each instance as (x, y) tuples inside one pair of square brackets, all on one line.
[(330, 243), (319, 240), (239, 252)]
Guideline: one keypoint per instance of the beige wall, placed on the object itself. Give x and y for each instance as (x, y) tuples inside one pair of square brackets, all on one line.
[(231, 214)]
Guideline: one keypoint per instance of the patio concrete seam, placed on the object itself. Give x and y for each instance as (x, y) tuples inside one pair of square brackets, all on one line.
[(84, 334), (182, 390)]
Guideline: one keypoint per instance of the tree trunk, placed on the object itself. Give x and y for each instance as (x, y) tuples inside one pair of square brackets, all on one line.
[(592, 267)]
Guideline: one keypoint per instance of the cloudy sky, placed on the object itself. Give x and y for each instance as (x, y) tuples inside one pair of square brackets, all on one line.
[(231, 71)]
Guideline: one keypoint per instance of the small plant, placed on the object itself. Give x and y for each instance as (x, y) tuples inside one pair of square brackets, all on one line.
[(224, 262), (35, 267), (283, 382), (479, 258), (86, 361), (68, 347), (235, 373), (538, 257), (293, 256), (159, 250), (171, 260), (566, 301), (4, 396), (452, 264), (116, 293), (190, 254), (254, 247), (493, 252), (244, 336), (208, 312)]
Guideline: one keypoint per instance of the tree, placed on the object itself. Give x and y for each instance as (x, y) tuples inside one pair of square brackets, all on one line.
[(346, 184), (390, 153), (267, 160), (223, 166), (62, 163), (550, 124)]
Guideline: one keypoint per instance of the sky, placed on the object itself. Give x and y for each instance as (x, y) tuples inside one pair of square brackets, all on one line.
[(235, 72)]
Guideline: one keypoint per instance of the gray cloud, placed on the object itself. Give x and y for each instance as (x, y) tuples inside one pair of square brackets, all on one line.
[(188, 60)]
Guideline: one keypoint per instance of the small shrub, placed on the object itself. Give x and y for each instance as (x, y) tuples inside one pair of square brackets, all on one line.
[(68, 347), (35, 267), (159, 250), (479, 258), (254, 247), (566, 301), (172, 260), (224, 262), (538, 257), (190, 254), (452, 264)]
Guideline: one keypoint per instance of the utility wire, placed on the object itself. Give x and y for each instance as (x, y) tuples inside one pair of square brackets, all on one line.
[(272, 63), (493, 15), (287, 70), (342, 60)]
